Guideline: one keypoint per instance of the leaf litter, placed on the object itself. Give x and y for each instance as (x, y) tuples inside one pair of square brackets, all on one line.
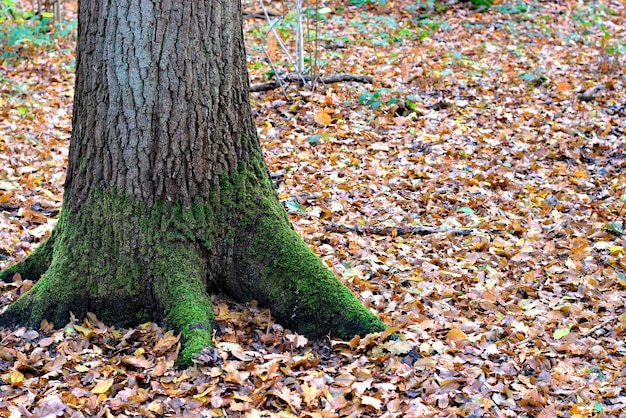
[(509, 124)]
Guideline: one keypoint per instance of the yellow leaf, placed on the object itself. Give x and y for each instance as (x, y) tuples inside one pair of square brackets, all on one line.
[(202, 395), (310, 392), (439, 346), (425, 348), (103, 386), (82, 369), (16, 378), (561, 332), (85, 331), (156, 407)]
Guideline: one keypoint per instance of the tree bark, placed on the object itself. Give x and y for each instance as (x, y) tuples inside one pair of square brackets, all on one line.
[(167, 196)]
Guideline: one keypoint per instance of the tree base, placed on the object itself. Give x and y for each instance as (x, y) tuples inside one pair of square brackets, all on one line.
[(130, 263)]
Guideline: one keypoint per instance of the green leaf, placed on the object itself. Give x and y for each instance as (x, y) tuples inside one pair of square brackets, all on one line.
[(314, 138), (562, 332), (623, 198), (597, 406), (47, 14), (295, 206), (465, 209), (614, 228)]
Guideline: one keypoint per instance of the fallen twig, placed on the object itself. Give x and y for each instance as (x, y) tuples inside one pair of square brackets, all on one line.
[(397, 230), (259, 15), (599, 326), (591, 93), (294, 77), (8, 207), (36, 207)]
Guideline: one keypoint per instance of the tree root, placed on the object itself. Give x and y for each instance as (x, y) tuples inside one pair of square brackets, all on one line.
[(130, 264), (33, 266), (285, 275), (181, 290)]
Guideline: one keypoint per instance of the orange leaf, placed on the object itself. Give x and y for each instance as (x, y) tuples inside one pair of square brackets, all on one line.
[(456, 334), (322, 117), (165, 343), (139, 362), (563, 86), (354, 342), (270, 46)]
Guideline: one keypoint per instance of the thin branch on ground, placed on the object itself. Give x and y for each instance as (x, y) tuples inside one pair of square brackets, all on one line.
[(293, 77), (599, 326), (399, 230)]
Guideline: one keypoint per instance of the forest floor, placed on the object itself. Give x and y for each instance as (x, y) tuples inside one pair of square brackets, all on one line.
[(472, 195)]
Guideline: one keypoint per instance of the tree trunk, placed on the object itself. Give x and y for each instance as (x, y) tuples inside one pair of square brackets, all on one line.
[(167, 196)]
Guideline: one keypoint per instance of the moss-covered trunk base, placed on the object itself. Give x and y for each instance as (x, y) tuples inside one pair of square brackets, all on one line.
[(124, 262), (130, 263)]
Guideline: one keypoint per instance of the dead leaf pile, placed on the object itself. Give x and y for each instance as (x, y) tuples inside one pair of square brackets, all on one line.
[(501, 135)]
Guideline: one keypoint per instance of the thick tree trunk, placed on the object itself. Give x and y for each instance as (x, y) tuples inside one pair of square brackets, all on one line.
[(167, 195)]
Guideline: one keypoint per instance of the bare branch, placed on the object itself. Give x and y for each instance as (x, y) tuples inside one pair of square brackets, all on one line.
[(397, 230), (293, 77)]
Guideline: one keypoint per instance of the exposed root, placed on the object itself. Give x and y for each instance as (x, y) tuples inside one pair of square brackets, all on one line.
[(33, 266), (180, 287)]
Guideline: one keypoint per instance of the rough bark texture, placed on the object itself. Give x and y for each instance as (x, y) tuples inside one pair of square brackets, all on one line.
[(167, 195)]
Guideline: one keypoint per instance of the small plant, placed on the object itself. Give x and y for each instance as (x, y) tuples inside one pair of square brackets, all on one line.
[(359, 2), (19, 28), (512, 8), (389, 97), (481, 4)]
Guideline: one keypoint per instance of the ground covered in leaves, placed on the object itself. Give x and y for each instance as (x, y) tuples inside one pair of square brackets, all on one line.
[(472, 195)]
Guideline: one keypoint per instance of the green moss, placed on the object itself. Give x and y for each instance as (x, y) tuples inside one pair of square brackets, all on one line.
[(33, 266), (181, 290), (114, 255), (283, 273), (128, 262)]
